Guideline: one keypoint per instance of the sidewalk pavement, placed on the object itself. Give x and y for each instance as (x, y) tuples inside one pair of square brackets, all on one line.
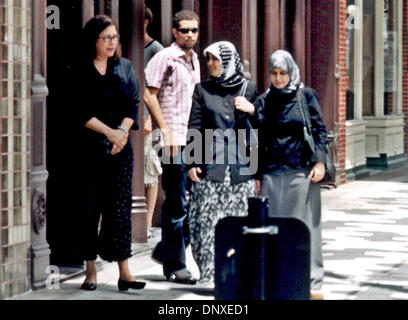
[(365, 238), (365, 247)]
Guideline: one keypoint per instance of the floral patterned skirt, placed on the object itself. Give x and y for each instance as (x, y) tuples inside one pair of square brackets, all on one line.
[(209, 203)]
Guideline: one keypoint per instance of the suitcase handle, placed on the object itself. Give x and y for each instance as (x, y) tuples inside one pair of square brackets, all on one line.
[(264, 230)]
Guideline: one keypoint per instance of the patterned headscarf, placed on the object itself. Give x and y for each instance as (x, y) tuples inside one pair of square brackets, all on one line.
[(284, 60), (231, 66)]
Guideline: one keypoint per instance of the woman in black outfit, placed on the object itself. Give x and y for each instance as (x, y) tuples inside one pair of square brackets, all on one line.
[(223, 183), (290, 173), (106, 111)]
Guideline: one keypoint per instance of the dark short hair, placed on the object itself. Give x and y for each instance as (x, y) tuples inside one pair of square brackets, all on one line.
[(184, 15), (148, 14), (90, 34)]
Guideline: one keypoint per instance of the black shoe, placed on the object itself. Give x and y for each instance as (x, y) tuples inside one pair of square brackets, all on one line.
[(157, 254), (126, 285), (182, 276), (88, 286)]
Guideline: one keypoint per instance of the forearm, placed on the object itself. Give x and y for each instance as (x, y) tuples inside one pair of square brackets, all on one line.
[(127, 123), (116, 136), (98, 126), (152, 104)]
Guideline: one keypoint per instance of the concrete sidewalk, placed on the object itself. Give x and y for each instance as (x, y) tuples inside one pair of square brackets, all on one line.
[(365, 246), (365, 238)]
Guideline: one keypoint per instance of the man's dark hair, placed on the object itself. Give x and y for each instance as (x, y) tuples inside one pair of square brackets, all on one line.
[(148, 14), (90, 34), (184, 15)]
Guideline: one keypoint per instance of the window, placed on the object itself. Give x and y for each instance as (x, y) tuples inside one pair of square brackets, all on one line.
[(390, 56), (368, 57), (350, 57)]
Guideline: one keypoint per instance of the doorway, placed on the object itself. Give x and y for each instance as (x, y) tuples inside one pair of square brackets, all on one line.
[(62, 159)]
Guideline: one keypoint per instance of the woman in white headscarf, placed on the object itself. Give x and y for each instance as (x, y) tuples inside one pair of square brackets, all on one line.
[(221, 184), (290, 172)]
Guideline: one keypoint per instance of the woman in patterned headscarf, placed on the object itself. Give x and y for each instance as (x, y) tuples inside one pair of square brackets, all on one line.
[(290, 172), (221, 184)]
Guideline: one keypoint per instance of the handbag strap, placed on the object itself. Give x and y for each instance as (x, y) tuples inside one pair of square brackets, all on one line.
[(243, 88), (249, 128), (304, 110)]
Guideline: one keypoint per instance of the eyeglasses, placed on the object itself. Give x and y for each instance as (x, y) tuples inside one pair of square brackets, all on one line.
[(187, 30), (109, 38)]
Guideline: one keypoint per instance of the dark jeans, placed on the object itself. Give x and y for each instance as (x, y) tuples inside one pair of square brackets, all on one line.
[(175, 236)]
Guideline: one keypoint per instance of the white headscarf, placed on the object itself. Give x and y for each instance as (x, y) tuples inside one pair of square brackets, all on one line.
[(231, 66), (284, 60)]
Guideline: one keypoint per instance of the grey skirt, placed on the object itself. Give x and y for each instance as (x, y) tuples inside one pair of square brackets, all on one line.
[(293, 194)]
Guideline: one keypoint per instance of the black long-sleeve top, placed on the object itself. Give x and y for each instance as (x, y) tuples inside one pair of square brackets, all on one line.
[(281, 141), (213, 108), (110, 98)]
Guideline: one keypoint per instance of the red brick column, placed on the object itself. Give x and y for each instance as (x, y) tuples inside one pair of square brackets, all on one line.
[(342, 87), (405, 70)]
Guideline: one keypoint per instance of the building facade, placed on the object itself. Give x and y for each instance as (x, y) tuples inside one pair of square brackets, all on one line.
[(353, 52), (375, 126)]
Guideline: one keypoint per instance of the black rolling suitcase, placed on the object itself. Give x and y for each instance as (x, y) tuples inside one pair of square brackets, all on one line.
[(262, 258)]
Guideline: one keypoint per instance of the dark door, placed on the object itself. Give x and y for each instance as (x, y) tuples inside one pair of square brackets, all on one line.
[(62, 158)]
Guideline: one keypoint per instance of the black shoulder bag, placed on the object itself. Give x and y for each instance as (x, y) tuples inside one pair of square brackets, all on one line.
[(308, 137)]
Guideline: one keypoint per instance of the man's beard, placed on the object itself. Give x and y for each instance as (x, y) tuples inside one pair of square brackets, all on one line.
[(186, 46)]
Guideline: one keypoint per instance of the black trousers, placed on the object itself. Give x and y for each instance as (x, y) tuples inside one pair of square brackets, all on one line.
[(107, 192), (174, 219)]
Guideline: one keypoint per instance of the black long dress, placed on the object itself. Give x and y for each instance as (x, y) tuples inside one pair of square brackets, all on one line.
[(106, 186)]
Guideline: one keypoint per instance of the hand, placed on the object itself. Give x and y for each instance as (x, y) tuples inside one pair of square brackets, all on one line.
[(193, 174), (115, 150), (242, 104), (148, 127), (119, 140), (257, 187), (170, 148), (317, 173)]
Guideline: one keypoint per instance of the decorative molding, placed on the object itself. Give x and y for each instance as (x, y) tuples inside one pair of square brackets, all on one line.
[(139, 205), (39, 91), (38, 209), (39, 86)]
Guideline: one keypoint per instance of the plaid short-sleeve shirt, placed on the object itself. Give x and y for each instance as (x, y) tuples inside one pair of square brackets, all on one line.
[(175, 77)]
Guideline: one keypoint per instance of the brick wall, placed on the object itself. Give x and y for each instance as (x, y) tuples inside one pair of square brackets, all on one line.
[(405, 70), (343, 85)]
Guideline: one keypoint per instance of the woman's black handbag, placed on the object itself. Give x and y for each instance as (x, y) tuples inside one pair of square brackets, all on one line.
[(308, 138), (330, 171)]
